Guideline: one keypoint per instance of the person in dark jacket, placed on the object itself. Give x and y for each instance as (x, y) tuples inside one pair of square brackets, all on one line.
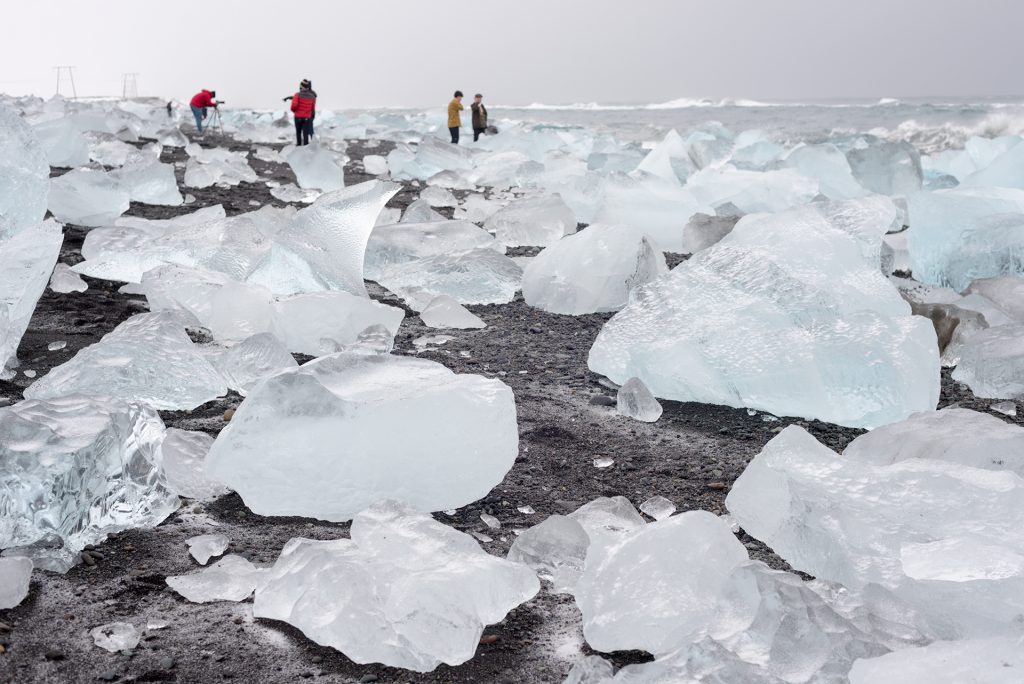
[(200, 101), (304, 109), (479, 116)]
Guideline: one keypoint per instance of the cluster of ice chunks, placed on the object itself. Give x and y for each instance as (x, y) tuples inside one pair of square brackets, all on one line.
[(537, 221), (476, 276), (27, 260), (149, 358), (316, 167), (333, 421), (421, 592), (406, 241), (87, 197), (751, 322), (208, 166), (26, 174), (592, 271), (75, 468), (928, 511)]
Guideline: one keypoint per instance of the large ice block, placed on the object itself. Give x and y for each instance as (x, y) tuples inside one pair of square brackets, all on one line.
[(992, 661), (405, 590), (87, 197), (26, 262), (403, 242), (828, 165), (184, 463), (751, 191), (538, 221), (26, 174), (78, 467), (317, 167), (752, 322), (150, 182), (476, 276), (669, 159), (657, 207), (148, 359), (1004, 171), (245, 364), (888, 168), (591, 271), (320, 440), (1006, 293), (992, 362)]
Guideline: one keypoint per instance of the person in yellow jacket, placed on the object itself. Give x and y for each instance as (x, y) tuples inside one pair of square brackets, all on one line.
[(455, 108)]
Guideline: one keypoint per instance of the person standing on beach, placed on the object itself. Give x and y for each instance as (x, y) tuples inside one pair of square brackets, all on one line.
[(304, 109), (455, 108), (479, 116), (200, 101)]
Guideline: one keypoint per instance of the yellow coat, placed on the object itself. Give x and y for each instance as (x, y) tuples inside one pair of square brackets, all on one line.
[(454, 118)]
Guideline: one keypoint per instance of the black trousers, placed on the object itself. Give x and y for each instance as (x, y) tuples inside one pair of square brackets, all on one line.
[(303, 130), (477, 132), (455, 135)]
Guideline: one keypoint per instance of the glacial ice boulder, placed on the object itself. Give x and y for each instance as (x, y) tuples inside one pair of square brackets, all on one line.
[(888, 168), (26, 174), (592, 271), (751, 191), (636, 401), (150, 182), (654, 206), (669, 159), (926, 526), (304, 322), (828, 165), (537, 221), (317, 167), (64, 280), (256, 357), (26, 262), (992, 661), (73, 469), (1004, 171), (438, 197), (404, 590), (320, 441), (1005, 293), (445, 312), (476, 276), (149, 358), (184, 465), (403, 242), (86, 197), (208, 166), (752, 322), (992, 362), (63, 144), (15, 577)]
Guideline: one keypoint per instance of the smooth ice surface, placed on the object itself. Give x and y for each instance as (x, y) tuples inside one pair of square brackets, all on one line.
[(78, 467), (148, 358), (232, 578), (251, 360), (86, 197), (150, 182), (752, 322), (320, 441), (942, 535), (1006, 293), (375, 165), (404, 242), (829, 166), (555, 548), (316, 167), (987, 661), (445, 312), (26, 261), (592, 271), (405, 590), (15, 576), (539, 221), (184, 463), (888, 168), (65, 280), (26, 174), (203, 547), (658, 507), (656, 207), (992, 363), (477, 276), (636, 401), (116, 636), (216, 166)]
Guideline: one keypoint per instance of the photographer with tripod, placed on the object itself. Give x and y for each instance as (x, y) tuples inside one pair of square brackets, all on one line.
[(200, 101)]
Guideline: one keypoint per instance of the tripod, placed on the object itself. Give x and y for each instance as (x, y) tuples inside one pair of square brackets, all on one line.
[(214, 122)]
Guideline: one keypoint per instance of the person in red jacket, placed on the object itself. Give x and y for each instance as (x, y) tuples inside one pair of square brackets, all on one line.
[(304, 109), (200, 101)]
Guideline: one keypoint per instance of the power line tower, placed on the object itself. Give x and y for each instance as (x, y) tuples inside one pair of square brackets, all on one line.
[(71, 77), (129, 85)]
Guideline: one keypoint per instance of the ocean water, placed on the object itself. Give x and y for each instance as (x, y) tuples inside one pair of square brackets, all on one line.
[(931, 124)]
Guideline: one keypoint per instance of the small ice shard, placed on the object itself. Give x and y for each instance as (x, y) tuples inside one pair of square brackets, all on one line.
[(490, 521), (116, 636), (539, 221), (147, 358), (29, 373), (86, 197), (637, 402), (15, 576), (526, 510), (205, 546), (992, 661), (604, 462), (427, 340), (480, 536), (1007, 408), (325, 419), (56, 346), (555, 548), (591, 271), (420, 211), (405, 590), (26, 174), (251, 360), (232, 578), (992, 362), (445, 312), (153, 624), (658, 507), (184, 462), (375, 165), (438, 197), (404, 242), (293, 193), (76, 468), (65, 280), (317, 167), (478, 276), (26, 261)]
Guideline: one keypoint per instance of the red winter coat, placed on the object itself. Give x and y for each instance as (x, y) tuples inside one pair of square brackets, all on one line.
[(203, 98), (304, 104)]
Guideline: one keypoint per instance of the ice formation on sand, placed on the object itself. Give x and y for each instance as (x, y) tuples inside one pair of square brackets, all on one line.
[(405, 590), (232, 578), (246, 363), (15, 577), (752, 322), (477, 276), (65, 280), (316, 167), (150, 182), (829, 166), (216, 165), (116, 636), (591, 271), (148, 358), (636, 401), (658, 507), (375, 165), (445, 312), (941, 530), (203, 547), (992, 661), (26, 174), (404, 242), (539, 221), (304, 321), (87, 197), (332, 422), (26, 262), (184, 463), (992, 363), (78, 467)]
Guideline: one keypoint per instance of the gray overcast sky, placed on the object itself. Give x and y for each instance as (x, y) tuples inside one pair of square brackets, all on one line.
[(403, 52)]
